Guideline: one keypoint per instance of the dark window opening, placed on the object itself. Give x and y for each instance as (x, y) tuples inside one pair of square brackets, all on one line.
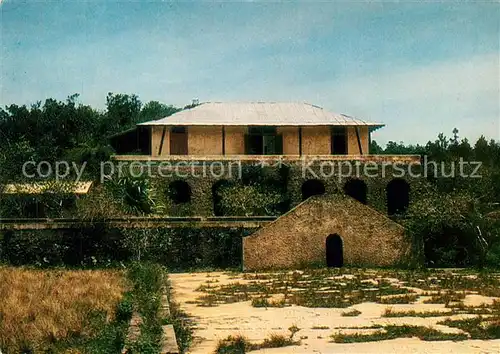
[(356, 189), (339, 140), (334, 251), (312, 187), (180, 192), (136, 140), (398, 196), (263, 141), (178, 141)]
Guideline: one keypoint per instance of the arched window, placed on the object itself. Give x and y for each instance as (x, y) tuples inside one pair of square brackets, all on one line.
[(398, 196), (312, 187), (356, 189), (179, 192)]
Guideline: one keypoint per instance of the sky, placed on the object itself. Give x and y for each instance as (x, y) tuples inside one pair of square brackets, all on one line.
[(420, 68)]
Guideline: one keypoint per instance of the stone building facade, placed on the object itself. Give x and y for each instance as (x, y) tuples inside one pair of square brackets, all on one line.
[(352, 213), (327, 230)]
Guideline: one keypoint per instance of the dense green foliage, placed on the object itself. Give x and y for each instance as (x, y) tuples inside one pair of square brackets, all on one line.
[(148, 281), (103, 247), (68, 130), (450, 218)]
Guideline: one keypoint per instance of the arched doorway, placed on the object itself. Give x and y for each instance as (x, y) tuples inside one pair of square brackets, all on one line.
[(312, 187), (398, 196), (334, 251), (179, 192), (356, 189)]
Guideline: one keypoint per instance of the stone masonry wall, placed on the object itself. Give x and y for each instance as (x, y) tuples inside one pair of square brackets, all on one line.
[(299, 237)]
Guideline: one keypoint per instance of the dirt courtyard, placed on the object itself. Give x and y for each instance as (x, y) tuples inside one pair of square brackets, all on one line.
[(345, 310)]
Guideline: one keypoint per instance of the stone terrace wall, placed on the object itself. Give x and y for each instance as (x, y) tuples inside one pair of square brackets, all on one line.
[(298, 238)]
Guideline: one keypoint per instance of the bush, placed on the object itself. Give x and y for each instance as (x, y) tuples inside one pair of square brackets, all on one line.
[(99, 246), (93, 246), (453, 230), (249, 200), (53, 199), (137, 195)]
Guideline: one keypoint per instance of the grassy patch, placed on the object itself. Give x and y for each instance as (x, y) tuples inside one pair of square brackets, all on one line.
[(403, 299), (181, 322), (309, 288), (389, 312), (233, 345), (239, 344), (393, 332), (478, 327), (148, 281), (351, 313), (446, 297), (266, 302), (55, 310), (483, 309), (277, 341), (345, 287)]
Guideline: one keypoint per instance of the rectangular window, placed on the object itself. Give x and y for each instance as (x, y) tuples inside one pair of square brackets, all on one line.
[(339, 140), (178, 141), (263, 141)]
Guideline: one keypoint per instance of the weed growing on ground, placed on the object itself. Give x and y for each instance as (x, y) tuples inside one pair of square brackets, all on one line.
[(311, 288), (403, 299), (233, 345), (446, 297), (182, 325), (148, 281), (389, 312), (393, 332), (351, 313), (265, 302), (478, 327), (239, 344)]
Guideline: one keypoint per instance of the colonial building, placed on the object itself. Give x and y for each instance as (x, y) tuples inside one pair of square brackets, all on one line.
[(255, 128), (344, 226)]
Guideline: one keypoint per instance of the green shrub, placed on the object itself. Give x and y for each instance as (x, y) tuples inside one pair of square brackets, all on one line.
[(178, 249), (138, 195), (125, 308), (249, 200), (452, 228)]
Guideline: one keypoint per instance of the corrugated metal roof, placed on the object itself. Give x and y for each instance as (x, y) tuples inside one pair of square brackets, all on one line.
[(260, 113)]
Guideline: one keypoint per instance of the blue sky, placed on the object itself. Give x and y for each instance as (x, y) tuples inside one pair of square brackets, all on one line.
[(419, 68)]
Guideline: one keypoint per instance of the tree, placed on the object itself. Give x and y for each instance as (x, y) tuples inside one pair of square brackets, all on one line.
[(482, 150), (155, 110), (375, 149), (122, 111)]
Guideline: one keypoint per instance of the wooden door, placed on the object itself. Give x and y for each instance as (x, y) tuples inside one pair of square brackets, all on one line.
[(178, 141)]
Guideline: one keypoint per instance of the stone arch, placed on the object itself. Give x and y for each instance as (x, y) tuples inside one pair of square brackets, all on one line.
[(216, 198), (312, 187), (398, 196), (356, 189), (179, 192), (334, 251)]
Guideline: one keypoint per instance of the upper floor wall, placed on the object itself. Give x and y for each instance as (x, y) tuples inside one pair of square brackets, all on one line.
[(244, 140)]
